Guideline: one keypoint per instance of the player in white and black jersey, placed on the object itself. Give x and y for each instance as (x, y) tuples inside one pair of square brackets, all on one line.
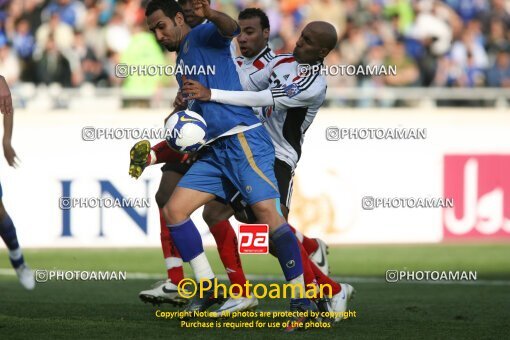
[(248, 65), (289, 104)]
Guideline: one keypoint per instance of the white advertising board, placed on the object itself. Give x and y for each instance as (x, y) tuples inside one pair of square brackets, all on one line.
[(331, 179)]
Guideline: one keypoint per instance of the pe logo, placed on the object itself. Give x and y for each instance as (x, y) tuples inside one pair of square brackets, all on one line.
[(253, 239)]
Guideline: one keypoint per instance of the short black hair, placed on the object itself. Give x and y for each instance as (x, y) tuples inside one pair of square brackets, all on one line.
[(185, 2), (169, 7), (250, 13)]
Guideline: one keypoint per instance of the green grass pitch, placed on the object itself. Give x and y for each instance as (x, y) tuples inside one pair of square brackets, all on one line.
[(111, 309)]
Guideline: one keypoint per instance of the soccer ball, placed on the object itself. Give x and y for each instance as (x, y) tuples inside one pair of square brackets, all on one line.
[(186, 131)]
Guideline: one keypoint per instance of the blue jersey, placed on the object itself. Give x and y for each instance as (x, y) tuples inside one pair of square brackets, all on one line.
[(203, 49)]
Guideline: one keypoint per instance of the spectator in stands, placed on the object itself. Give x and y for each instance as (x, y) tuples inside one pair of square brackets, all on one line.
[(472, 74), (467, 9), (106, 9), (499, 73), (331, 11), (94, 35), (53, 67), (32, 12), (436, 25), (375, 56), (85, 64), (61, 32), (117, 34), (496, 40), (450, 42), (499, 11), (407, 70), (23, 41), (71, 12), (469, 45), (353, 46), (24, 44), (447, 73), (9, 63)]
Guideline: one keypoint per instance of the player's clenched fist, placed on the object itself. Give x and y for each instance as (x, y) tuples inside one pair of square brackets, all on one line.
[(201, 8), (192, 89)]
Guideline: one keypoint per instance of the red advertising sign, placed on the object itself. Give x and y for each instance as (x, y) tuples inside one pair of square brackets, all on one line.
[(254, 239), (480, 188)]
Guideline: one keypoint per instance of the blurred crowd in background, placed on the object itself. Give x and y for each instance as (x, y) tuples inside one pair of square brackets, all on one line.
[(449, 43)]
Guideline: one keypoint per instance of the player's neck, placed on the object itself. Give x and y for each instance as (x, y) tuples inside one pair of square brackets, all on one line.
[(257, 55), (184, 33)]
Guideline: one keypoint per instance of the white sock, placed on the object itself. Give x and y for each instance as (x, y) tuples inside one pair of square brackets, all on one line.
[(299, 282), (299, 236), (15, 254), (201, 268), (153, 157), (173, 262)]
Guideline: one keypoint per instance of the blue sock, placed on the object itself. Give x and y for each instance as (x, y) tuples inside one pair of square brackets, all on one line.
[(187, 239), (8, 234), (287, 251)]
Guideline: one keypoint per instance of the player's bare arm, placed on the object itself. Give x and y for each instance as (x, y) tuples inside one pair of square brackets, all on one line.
[(5, 97), (8, 111), (226, 25)]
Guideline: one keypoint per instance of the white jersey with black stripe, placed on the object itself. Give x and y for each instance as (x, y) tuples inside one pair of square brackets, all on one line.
[(248, 67), (297, 97)]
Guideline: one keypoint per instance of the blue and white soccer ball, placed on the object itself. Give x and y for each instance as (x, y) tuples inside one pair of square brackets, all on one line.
[(186, 131)]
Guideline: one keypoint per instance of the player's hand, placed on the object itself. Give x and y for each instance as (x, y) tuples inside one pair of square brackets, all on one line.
[(5, 97), (179, 102), (201, 8), (192, 89), (10, 155)]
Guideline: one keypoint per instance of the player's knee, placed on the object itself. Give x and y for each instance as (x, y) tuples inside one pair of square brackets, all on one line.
[(162, 197), (263, 211), (211, 217), (174, 213), (267, 213), (243, 217)]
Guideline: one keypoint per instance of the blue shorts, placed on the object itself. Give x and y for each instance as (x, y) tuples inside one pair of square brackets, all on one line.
[(243, 162)]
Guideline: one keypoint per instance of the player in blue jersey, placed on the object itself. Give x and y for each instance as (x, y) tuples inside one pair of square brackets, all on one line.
[(7, 229), (294, 98), (240, 154)]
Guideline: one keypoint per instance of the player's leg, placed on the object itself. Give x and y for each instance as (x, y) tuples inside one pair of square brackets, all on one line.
[(315, 272), (251, 156), (173, 260), (201, 184), (142, 155), (166, 291), (8, 234), (216, 215), (188, 241), (315, 248)]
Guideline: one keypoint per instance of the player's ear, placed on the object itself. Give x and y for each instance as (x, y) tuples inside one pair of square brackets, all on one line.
[(265, 33), (179, 19)]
